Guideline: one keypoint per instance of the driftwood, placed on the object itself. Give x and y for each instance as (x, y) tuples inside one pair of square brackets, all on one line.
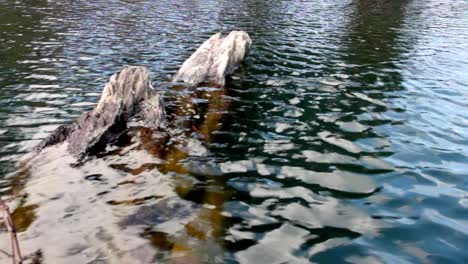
[(128, 99), (127, 94), (215, 59)]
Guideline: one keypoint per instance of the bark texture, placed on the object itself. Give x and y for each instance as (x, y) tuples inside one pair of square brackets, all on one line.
[(215, 59), (126, 95), (129, 99)]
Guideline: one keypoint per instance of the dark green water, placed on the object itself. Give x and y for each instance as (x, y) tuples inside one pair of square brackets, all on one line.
[(344, 138)]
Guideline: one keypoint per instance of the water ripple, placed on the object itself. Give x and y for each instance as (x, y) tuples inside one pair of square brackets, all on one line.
[(342, 138)]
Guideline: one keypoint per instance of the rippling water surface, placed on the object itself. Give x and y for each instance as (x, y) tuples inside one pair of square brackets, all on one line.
[(344, 137)]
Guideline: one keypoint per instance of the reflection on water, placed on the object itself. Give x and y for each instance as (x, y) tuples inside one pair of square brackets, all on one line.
[(343, 137)]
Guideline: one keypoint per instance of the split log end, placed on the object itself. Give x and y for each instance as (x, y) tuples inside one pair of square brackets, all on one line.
[(215, 59)]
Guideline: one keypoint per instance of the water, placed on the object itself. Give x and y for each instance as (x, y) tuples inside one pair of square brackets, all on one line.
[(344, 137)]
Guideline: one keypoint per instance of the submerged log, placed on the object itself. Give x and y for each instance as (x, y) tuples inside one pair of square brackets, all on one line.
[(127, 94), (92, 211), (215, 59)]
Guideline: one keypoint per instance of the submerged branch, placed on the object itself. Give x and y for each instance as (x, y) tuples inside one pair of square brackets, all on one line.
[(10, 225)]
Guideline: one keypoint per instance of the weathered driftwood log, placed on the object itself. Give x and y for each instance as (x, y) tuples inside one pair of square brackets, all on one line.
[(215, 59), (127, 94)]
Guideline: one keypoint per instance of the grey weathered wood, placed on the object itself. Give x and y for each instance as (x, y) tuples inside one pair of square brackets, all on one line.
[(128, 98), (215, 59), (127, 94)]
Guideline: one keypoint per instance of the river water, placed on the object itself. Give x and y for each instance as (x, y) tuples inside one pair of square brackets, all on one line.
[(343, 138)]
